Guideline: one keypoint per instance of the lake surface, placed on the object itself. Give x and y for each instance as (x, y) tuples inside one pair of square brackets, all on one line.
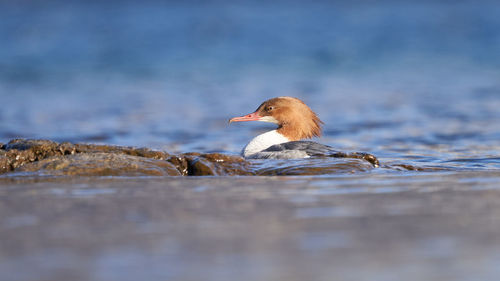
[(414, 83), (434, 226)]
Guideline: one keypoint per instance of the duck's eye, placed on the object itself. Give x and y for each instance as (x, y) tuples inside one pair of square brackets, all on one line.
[(269, 108)]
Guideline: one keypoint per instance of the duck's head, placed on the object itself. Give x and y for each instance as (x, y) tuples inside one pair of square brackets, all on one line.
[(294, 118)]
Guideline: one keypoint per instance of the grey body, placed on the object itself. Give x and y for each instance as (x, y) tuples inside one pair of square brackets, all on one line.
[(294, 150)]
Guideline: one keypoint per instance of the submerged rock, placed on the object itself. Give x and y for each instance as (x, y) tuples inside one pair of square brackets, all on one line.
[(20, 151), (44, 157), (358, 155), (4, 163), (313, 166), (210, 164), (128, 150), (101, 164), (49, 157), (216, 164)]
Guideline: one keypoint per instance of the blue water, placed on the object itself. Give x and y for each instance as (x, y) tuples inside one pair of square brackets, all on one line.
[(412, 82)]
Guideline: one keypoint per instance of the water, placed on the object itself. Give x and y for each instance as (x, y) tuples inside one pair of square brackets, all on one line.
[(414, 83), (420, 226), (394, 78)]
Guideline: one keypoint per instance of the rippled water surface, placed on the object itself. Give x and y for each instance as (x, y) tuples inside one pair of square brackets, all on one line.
[(417, 226), (414, 83)]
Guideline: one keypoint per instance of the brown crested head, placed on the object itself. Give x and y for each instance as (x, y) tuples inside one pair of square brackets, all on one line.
[(295, 119)]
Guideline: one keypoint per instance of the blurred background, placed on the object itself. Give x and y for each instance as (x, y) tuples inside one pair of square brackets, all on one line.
[(385, 76)]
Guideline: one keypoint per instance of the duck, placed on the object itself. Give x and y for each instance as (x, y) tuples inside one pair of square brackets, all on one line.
[(296, 122)]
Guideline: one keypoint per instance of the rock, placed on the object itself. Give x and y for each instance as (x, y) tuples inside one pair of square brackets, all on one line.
[(216, 164), (314, 166), (23, 144), (4, 164), (21, 151), (41, 148), (142, 152), (358, 155), (201, 167), (52, 158), (180, 163), (210, 164), (100, 164)]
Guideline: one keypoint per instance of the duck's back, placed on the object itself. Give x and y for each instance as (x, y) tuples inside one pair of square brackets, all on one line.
[(294, 150)]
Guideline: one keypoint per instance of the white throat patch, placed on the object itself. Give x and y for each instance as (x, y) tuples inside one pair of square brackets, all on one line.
[(262, 142), (269, 119)]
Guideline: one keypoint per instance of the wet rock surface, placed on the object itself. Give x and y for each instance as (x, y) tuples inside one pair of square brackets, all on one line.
[(318, 166), (101, 164), (358, 155), (4, 163), (214, 164), (45, 157)]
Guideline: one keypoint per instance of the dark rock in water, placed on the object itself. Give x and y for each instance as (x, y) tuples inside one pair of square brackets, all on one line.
[(210, 164), (22, 144), (20, 152), (44, 157), (407, 167), (141, 152), (216, 164), (200, 167), (101, 164), (358, 155), (4, 163), (314, 166), (180, 163)]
